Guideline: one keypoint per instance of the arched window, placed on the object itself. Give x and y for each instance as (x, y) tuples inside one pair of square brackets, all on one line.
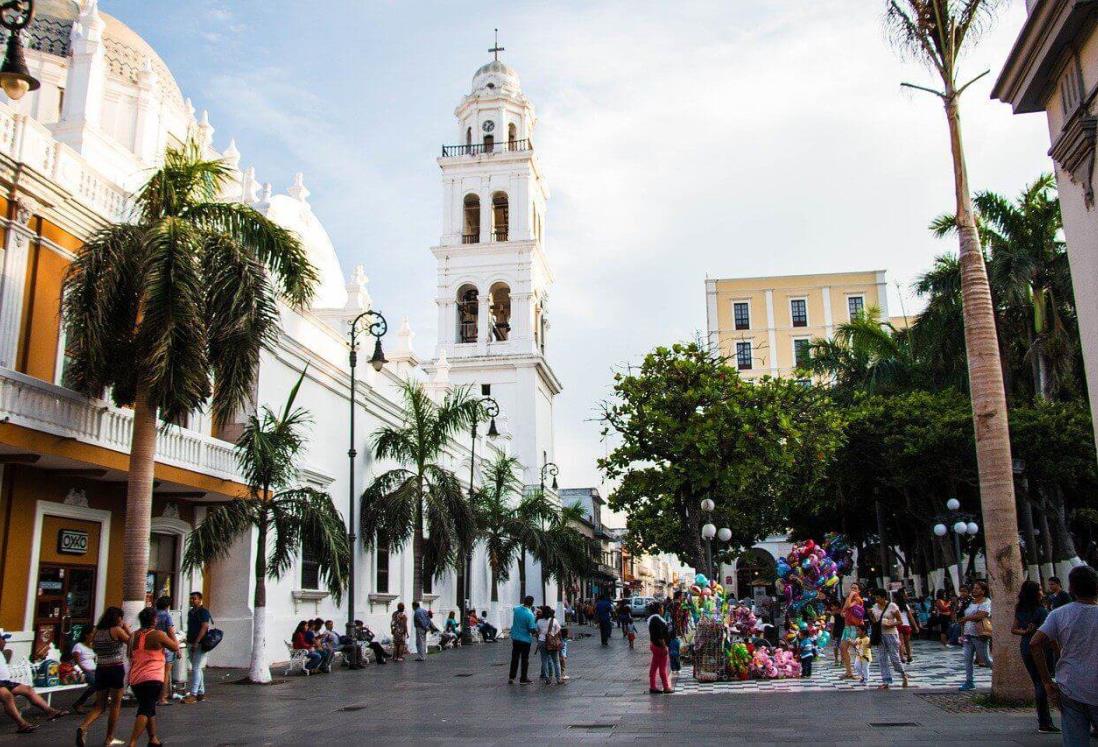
[(489, 142), (468, 308), (499, 216), (468, 136), (512, 136), (470, 234), (501, 311)]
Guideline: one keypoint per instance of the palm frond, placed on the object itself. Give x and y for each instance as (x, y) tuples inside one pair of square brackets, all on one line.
[(306, 517), (215, 536), (387, 512)]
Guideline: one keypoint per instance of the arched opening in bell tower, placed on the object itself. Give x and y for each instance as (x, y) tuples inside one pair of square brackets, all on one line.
[(512, 136), (468, 310), (499, 216), (468, 136), (489, 143), (470, 233), (500, 294)]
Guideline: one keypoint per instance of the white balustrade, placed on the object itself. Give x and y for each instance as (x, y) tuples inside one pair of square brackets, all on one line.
[(49, 408)]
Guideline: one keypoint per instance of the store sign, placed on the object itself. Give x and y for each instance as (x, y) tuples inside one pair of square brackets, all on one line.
[(72, 542)]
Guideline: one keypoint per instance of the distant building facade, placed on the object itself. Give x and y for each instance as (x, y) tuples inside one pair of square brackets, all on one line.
[(605, 576), (765, 325)]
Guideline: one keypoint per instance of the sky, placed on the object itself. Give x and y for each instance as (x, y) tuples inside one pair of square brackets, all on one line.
[(679, 140)]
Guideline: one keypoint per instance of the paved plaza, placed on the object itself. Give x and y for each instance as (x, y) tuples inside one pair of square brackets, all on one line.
[(462, 697)]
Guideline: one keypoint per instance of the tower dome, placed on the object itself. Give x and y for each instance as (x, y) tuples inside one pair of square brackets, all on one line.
[(493, 76)]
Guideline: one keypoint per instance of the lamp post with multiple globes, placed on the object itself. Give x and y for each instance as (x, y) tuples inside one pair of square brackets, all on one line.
[(708, 532), (962, 524)]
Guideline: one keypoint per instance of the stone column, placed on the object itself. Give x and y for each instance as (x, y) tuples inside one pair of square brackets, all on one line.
[(13, 278), (87, 73), (146, 136), (484, 321)]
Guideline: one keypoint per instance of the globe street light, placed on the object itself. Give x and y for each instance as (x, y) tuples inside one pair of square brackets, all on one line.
[(709, 531), (962, 525), (940, 530), (953, 504), (15, 79), (377, 328), (724, 534)]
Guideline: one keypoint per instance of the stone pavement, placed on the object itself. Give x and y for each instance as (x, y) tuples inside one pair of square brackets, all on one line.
[(462, 696)]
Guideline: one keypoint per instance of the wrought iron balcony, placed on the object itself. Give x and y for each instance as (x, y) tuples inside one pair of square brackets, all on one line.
[(470, 238), (479, 149)]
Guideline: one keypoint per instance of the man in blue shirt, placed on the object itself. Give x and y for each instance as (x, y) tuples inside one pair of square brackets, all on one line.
[(523, 626), (604, 611), (198, 624), (421, 621)]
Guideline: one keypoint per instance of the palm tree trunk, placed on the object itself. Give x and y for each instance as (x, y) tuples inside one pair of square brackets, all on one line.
[(522, 573), (417, 554), (989, 415), (139, 490), (495, 586), (259, 672)]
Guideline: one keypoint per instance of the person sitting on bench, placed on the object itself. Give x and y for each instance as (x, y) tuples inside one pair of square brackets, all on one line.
[(10, 689)]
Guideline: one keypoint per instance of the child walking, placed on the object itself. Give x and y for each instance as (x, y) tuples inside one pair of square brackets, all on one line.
[(807, 653), (631, 633), (863, 655), (673, 649), (563, 654)]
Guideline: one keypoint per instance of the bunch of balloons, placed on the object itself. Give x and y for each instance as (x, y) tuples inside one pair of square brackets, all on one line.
[(739, 660), (840, 553), (707, 598), (807, 574)]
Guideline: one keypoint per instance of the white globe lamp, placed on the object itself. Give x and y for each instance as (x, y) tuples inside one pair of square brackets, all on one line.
[(724, 534), (973, 528), (953, 504), (960, 527), (940, 530), (709, 531), (708, 505)]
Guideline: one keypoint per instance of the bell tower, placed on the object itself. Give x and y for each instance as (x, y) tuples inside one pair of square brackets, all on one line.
[(493, 274)]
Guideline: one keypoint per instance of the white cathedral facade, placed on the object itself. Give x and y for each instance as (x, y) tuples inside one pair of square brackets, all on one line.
[(71, 163)]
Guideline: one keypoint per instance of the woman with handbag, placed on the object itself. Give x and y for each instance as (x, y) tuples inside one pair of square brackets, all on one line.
[(977, 631), (549, 643)]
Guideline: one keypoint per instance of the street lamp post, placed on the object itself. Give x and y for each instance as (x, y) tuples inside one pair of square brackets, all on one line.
[(491, 409), (709, 531), (15, 79), (962, 524), (377, 328), (552, 470)]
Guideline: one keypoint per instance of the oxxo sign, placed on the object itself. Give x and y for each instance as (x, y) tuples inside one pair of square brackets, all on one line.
[(72, 542)]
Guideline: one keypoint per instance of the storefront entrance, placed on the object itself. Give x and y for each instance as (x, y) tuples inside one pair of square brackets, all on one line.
[(65, 606)]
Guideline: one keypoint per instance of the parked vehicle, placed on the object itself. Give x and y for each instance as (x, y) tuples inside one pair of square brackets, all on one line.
[(638, 606)]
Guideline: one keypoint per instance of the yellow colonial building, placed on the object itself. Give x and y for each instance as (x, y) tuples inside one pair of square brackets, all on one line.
[(765, 325)]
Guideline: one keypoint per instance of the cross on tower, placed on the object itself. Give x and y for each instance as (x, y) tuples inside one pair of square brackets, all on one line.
[(497, 48)]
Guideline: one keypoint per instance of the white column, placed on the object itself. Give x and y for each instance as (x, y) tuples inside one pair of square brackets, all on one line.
[(772, 336), (828, 321), (146, 136), (486, 214), (87, 71), (13, 280), (484, 324), (882, 295)]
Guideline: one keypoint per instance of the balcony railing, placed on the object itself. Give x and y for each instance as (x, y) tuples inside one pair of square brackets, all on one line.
[(470, 238), (41, 406), (479, 149)]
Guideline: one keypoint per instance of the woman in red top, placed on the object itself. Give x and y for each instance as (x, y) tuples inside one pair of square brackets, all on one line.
[(147, 647), (943, 615)]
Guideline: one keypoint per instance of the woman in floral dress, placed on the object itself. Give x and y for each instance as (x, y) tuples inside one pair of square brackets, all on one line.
[(399, 630)]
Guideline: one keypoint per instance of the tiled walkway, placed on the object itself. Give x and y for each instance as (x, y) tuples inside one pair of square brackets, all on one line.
[(934, 668)]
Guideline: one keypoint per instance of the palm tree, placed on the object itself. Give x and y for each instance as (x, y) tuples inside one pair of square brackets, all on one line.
[(421, 495), (937, 32), (499, 525), (534, 511), (567, 552), (171, 311), (290, 517), (866, 354)]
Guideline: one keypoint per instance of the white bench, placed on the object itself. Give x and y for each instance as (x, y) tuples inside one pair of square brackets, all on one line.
[(23, 673), (299, 657)]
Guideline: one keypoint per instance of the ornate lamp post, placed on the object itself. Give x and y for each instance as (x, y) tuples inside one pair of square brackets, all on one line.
[(549, 468), (491, 409), (962, 524), (708, 532), (15, 79), (377, 328)]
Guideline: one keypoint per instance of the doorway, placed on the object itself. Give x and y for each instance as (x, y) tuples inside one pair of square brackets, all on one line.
[(64, 606)]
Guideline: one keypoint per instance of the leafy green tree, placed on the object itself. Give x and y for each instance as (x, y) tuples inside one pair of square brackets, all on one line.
[(422, 500), (171, 311), (285, 518), (687, 427)]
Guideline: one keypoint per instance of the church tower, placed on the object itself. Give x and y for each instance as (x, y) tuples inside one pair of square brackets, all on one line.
[(493, 274)]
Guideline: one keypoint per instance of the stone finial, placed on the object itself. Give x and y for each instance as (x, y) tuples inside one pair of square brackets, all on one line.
[(298, 190), (231, 155), (146, 76), (265, 195), (404, 339), (358, 298), (204, 131), (88, 25), (442, 371), (249, 187), (189, 106)]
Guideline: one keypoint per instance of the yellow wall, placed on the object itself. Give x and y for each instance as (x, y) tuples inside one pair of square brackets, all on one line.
[(772, 344)]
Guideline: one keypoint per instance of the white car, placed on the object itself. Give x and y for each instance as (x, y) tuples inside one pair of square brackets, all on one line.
[(638, 606)]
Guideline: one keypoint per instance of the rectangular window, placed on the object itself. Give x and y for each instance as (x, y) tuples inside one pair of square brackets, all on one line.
[(741, 311), (310, 568), (798, 311), (854, 306), (381, 573), (802, 352), (743, 356)]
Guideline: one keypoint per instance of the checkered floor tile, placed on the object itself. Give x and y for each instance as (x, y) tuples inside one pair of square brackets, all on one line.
[(933, 668)]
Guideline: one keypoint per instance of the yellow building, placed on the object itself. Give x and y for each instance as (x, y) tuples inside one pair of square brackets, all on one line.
[(764, 325)]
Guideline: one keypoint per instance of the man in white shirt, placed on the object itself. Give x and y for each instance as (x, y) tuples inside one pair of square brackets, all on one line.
[(1074, 628)]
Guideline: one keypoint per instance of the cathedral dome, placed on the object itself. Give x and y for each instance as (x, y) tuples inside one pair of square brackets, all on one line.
[(495, 75), (125, 51)]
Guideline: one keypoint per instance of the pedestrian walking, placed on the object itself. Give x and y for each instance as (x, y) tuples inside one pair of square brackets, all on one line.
[(659, 639), (909, 624), (806, 651), (625, 617), (863, 655), (886, 636), (1073, 627), (198, 624), (838, 625), (165, 624), (977, 631), (109, 643), (853, 611), (943, 616), (523, 628), (421, 621), (1029, 615), (604, 611), (147, 646), (399, 629), (1057, 597), (549, 644)]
